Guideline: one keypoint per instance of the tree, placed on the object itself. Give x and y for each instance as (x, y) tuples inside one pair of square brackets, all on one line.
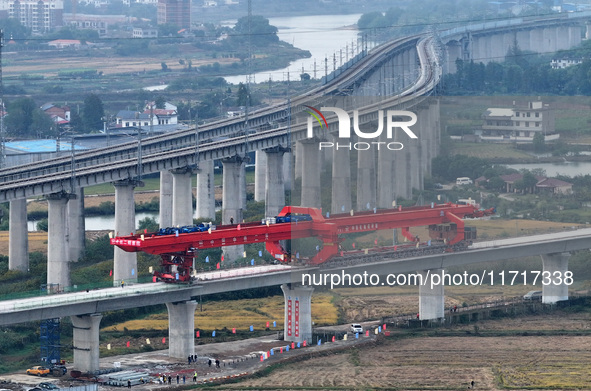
[(529, 181), (539, 142), (261, 32), (160, 102), (243, 95), (25, 119), (13, 29), (93, 113)]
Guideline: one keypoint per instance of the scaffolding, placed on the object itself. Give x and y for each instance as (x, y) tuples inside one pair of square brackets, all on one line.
[(50, 341)]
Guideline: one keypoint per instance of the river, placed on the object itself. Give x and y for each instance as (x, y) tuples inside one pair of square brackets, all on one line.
[(567, 168), (322, 35)]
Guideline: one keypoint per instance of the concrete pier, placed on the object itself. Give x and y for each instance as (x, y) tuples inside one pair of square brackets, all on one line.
[(366, 180), (181, 329), (557, 266), (233, 193), (182, 197), (86, 341), (260, 175), (205, 191), (58, 264), (341, 179), (125, 264), (310, 173), (274, 184), (288, 169), (386, 186), (431, 299), (76, 226), (298, 313), (18, 236), (165, 214)]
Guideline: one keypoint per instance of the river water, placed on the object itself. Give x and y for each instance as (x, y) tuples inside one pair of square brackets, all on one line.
[(322, 35), (567, 168)]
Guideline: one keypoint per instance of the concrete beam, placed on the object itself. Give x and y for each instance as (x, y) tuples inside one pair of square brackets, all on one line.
[(165, 213), (298, 313), (125, 264), (18, 236), (181, 326), (86, 341), (182, 197), (557, 266), (58, 264)]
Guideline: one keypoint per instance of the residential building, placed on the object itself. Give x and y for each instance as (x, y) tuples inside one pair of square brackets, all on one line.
[(564, 63), (548, 185), (41, 16), (140, 32), (127, 119), (177, 12), (519, 123), (59, 115), (64, 43)]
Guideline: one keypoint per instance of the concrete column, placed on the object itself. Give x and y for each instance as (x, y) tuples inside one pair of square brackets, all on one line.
[(431, 299), (557, 290), (205, 191), (298, 166), (275, 193), (58, 267), (165, 215), (298, 313), (366, 179), (233, 190), (260, 175), (287, 170), (76, 226), (181, 326), (182, 201), (18, 236), (86, 341), (310, 173), (386, 192), (125, 264), (341, 179)]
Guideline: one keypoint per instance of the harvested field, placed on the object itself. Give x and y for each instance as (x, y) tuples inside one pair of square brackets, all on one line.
[(442, 363)]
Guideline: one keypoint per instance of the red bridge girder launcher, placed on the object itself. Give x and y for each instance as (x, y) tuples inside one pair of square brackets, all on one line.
[(175, 244)]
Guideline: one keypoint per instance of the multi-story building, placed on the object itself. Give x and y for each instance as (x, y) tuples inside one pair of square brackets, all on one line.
[(519, 123), (176, 12), (41, 16)]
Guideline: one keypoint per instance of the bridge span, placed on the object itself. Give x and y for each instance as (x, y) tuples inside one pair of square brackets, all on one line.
[(85, 308)]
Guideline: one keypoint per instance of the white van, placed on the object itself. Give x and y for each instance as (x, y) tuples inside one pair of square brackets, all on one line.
[(463, 181)]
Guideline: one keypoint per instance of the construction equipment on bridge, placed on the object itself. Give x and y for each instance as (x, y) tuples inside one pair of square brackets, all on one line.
[(178, 246)]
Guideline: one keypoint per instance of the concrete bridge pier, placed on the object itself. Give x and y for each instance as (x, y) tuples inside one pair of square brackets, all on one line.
[(86, 341), (260, 175), (182, 197), (125, 264), (387, 170), (298, 313), (557, 265), (181, 326), (274, 181), (233, 193), (165, 214), (18, 236), (76, 226), (287, 169), (205, 192), (298, 164), (431, 298), (310, 173), (366, 179), (341, 179), (58, 267)]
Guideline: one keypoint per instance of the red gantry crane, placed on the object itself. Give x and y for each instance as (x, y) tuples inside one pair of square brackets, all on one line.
[(178, 246)]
